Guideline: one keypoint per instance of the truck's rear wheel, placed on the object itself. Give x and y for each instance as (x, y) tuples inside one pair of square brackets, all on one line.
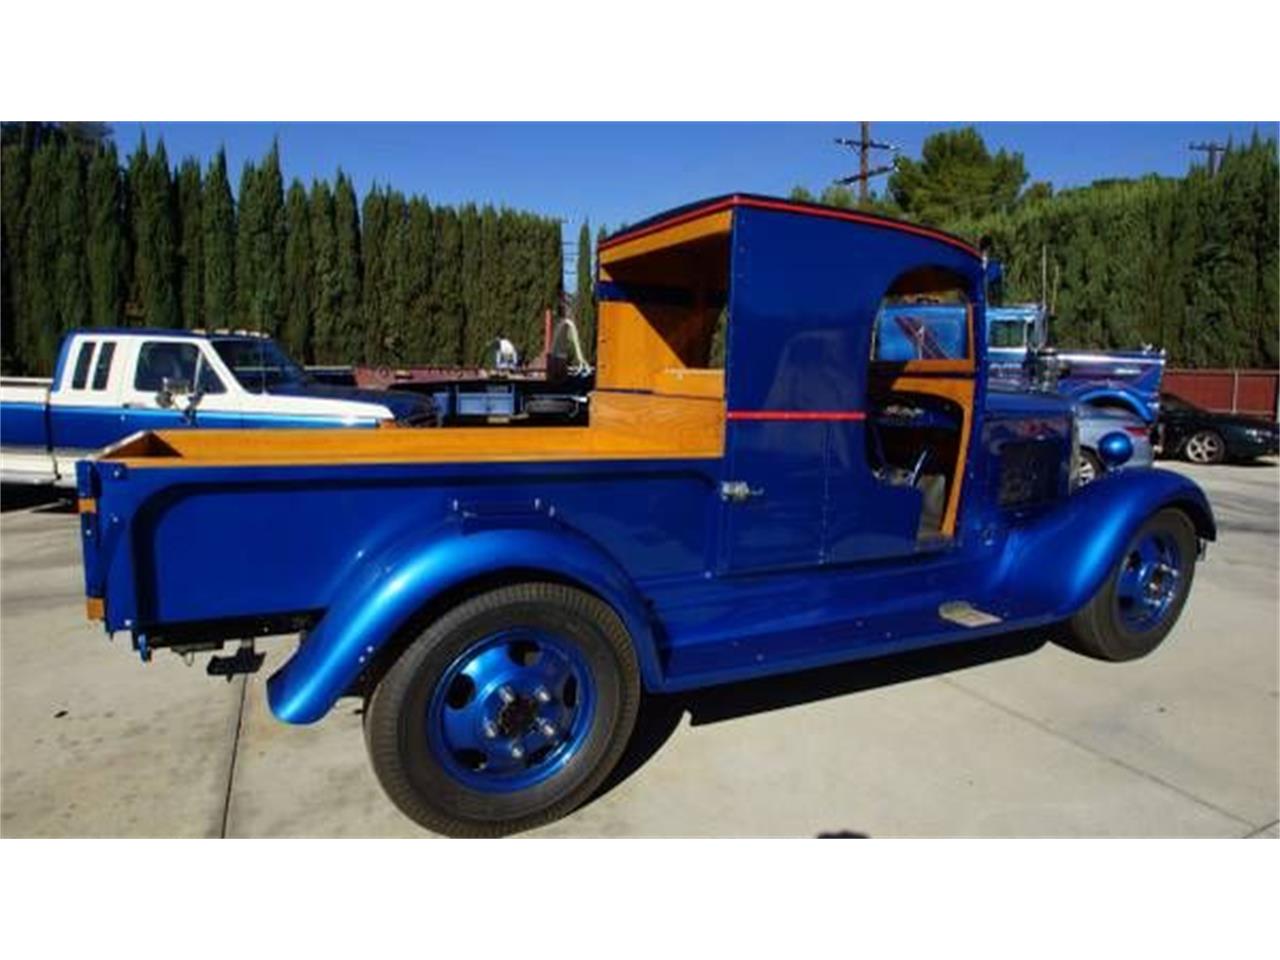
[(1141, 600), (506, 713)]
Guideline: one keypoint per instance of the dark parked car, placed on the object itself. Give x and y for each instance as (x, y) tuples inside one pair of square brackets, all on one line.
[(1203, 436)]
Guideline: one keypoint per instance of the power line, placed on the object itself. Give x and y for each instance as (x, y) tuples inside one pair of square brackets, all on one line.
[(864, 145)]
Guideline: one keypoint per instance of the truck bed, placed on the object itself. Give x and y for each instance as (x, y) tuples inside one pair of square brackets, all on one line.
[(623, 425)]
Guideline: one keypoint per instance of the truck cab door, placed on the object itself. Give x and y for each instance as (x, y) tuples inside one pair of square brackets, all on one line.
[(174, 386)]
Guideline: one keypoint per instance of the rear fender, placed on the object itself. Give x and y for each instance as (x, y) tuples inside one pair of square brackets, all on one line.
[(1056, 564), (406, 576)]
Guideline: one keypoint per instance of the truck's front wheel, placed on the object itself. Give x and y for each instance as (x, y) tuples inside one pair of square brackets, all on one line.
[(506, 713), (1140, 601)]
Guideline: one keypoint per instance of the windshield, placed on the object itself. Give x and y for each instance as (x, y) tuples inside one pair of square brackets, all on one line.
[(921, 332), (1007, 333), (259, 365)]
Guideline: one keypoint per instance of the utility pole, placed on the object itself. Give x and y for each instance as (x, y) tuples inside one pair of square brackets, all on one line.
[(1212, 149), (864, 145)]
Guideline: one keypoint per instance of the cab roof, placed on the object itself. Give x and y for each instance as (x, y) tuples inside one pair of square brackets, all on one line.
[(731, 201)]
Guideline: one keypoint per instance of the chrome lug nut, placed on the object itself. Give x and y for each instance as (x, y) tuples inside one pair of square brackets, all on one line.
[(542, 695), (517, 751), (490, 729), (506, 694), (548, 728)]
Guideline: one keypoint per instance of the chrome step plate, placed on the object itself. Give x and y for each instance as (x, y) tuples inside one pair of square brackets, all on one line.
[(966, 614)]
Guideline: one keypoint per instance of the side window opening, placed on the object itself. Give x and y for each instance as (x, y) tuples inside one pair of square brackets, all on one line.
[(102, 369), (920, 391), (664, 317), (83, 359), (925, 316), (160, 360)]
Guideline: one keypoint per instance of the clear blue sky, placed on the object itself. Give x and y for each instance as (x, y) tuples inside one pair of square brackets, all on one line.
[(616, 173)]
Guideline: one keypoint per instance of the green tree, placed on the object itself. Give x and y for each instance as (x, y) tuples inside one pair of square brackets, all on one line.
[(72, 274), (373, 240), (425, 337), (218, 221), (154, 237), (260, 241), (326, 291), (446, 297), (15, 162), (349, 341), (299, 276), (37, 325), (106, 239), (190, 243), (473, 338), (957, 177), (585, 298)]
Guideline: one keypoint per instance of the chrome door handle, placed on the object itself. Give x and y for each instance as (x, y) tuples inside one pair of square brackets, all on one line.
[(738, 491)]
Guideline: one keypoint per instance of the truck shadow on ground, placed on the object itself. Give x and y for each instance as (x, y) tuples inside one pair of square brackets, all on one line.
[(42, 499), (661, 715)]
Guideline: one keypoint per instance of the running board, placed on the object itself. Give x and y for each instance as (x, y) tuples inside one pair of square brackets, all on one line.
[(965, 614)]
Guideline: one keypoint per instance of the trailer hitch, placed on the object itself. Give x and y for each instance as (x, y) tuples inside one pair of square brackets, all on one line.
[(246, 659)]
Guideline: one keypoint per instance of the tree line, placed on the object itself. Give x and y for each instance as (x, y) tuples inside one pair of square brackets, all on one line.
[(91, 241), (1189, 264)]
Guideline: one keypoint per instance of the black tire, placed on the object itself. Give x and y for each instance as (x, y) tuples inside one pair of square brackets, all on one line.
[(395, 714), (1099, 630), (1204, 446)]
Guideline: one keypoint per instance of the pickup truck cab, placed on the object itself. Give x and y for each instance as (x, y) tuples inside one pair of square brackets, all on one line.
[(110, 383), (501, 597)]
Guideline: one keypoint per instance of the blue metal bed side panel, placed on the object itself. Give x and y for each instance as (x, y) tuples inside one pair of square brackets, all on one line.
[(199, 539)]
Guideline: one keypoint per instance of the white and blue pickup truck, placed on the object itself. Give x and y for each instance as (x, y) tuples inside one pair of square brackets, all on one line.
[(111, 383)]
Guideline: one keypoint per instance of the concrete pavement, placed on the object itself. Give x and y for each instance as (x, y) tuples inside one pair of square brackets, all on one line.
[(1010, 739)]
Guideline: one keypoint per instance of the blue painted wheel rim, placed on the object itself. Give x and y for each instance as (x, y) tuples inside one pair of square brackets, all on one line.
[(1148, 582), (511, 710)]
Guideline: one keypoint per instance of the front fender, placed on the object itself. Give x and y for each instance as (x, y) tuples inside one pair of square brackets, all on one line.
[(1056, 564), (401, 579)]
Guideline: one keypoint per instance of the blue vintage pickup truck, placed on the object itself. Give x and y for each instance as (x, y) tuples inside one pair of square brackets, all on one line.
[(110, 383), (502, 597)]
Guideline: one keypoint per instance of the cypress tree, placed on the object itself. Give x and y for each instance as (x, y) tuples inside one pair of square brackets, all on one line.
[(37, 326), (72, 273), (489, 320), (106, 240), (218, 221), (190, 243), (373, 238), (447, 308), (585, 301), (248, 215), (260, 241), (299, 270), (398, 280), (422, 335), (153, 237), (326, 286), (15, 162), (472, 339), (349, 341)]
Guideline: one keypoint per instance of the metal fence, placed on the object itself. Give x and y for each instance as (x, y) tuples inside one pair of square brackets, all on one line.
[(1228, 391)]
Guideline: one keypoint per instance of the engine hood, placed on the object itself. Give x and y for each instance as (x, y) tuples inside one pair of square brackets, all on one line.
[(403, 406)]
